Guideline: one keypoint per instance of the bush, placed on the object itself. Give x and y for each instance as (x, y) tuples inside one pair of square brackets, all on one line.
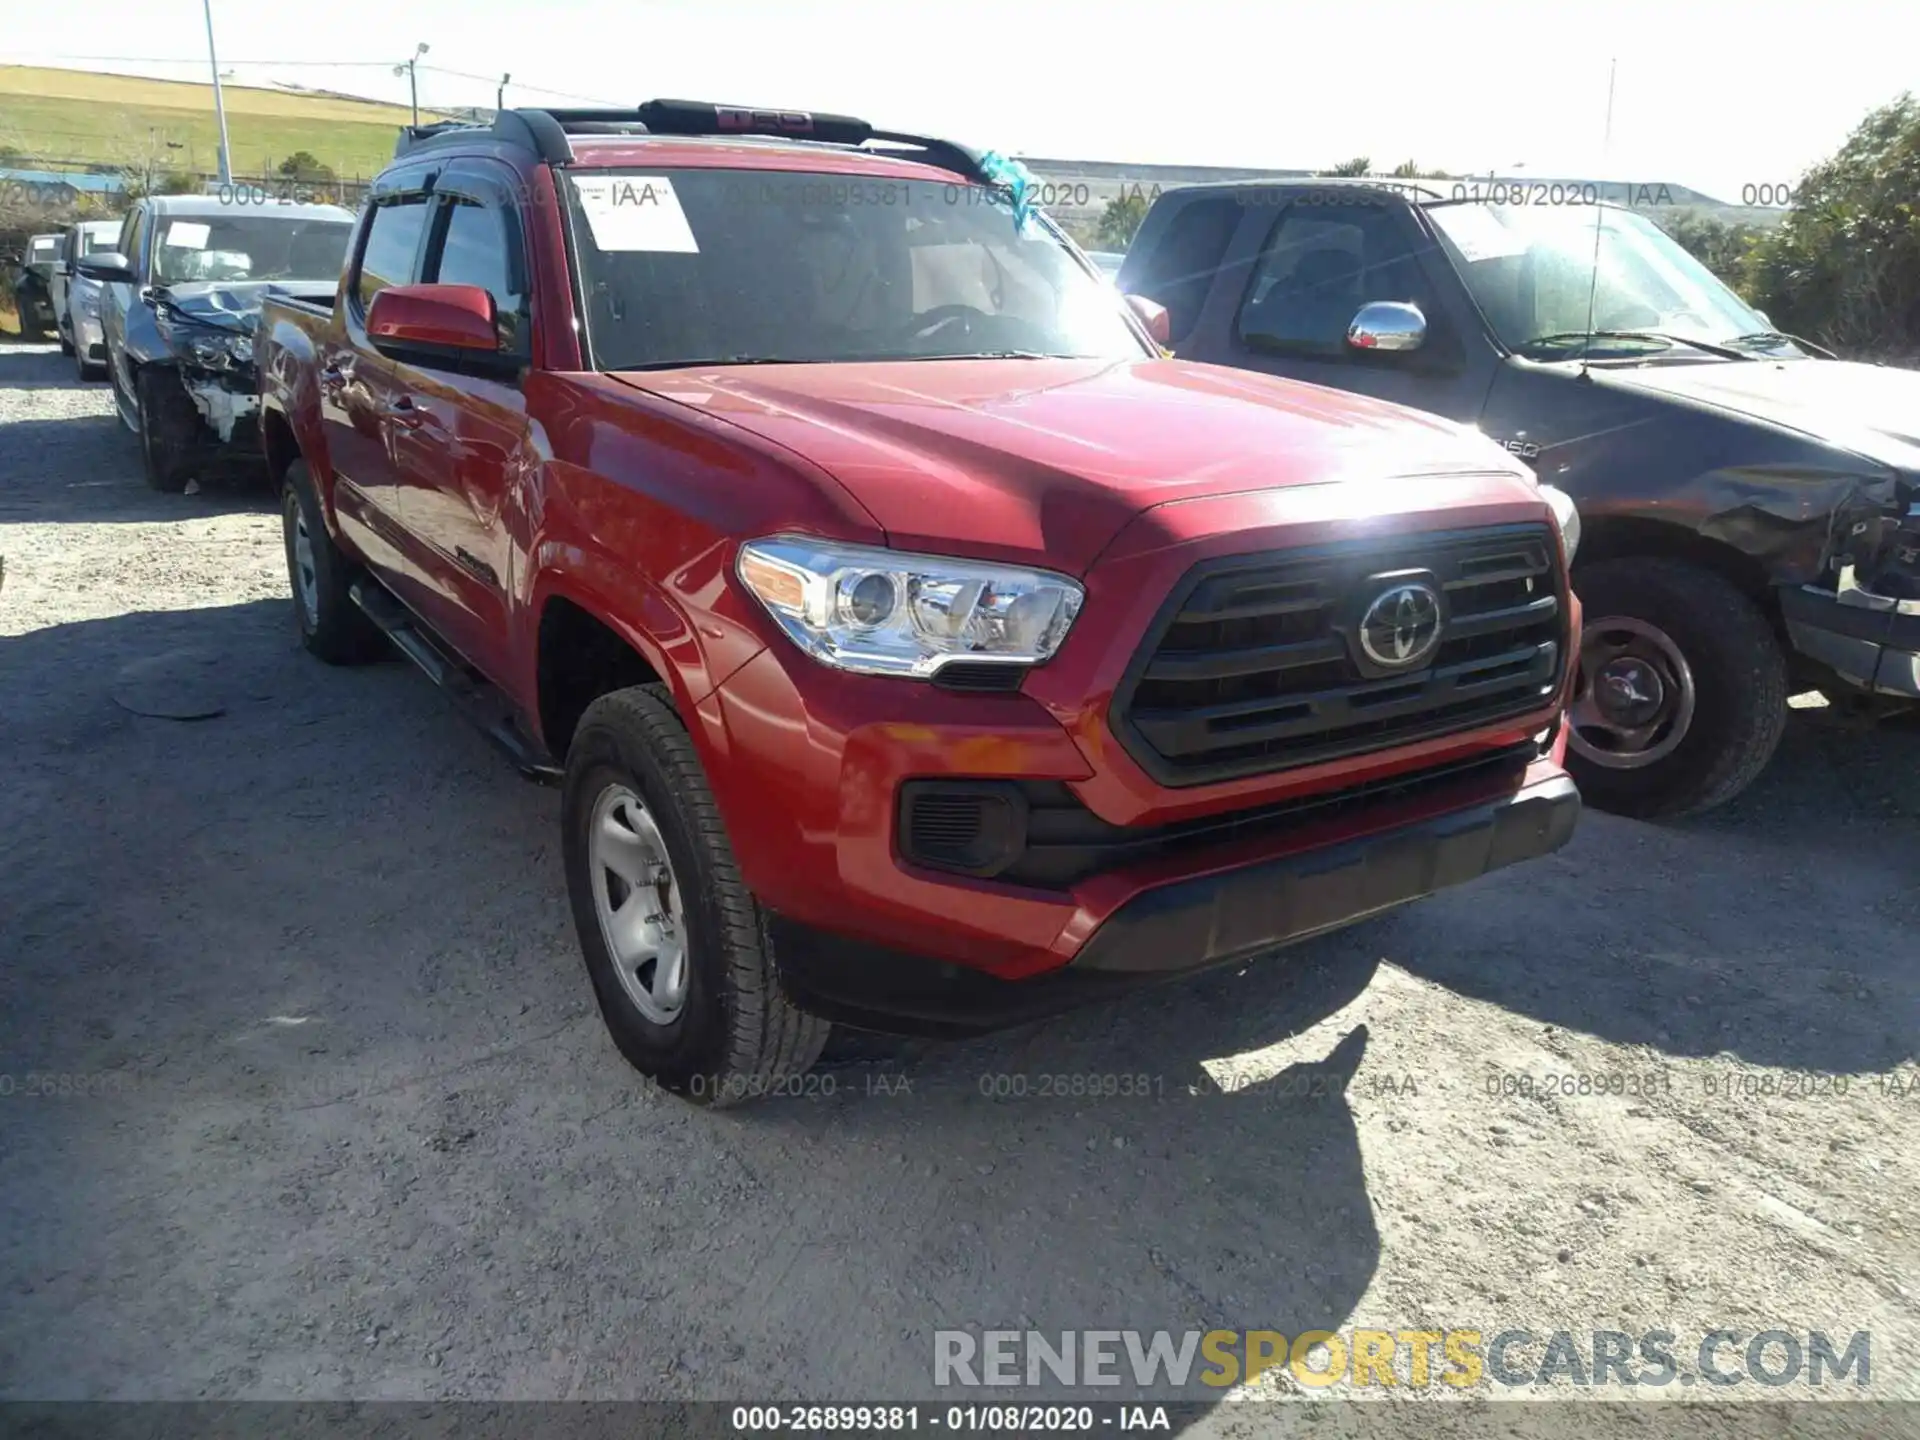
[(1719, 245), (305, 165), (1119, 222), (1843, 268)]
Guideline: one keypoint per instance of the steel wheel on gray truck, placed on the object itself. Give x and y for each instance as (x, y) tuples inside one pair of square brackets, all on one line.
[(330, 625), (674, 942), (1682, 691)]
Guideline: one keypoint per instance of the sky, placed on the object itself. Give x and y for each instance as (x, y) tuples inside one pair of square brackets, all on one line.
[(1716, 95)]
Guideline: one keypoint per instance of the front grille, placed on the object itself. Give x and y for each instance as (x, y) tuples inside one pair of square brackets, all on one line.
[(1256, 663)]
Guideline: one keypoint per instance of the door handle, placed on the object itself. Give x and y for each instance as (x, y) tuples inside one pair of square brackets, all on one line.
[(404, 412)]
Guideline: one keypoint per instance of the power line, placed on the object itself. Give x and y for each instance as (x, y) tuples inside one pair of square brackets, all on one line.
[(517, 85), (201, 60), (331, 65)]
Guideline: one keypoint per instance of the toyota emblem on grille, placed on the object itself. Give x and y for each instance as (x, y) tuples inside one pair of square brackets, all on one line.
[(1401, 627)]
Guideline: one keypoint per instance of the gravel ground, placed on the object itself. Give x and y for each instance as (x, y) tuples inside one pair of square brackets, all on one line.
[(350, 1127)]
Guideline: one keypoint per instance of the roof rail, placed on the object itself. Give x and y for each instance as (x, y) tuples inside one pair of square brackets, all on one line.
[(545, 132)]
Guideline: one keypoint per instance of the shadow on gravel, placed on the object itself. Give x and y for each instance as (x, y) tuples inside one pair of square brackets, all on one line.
[(1273, 1165), (1779, 930), (85, 468), (339, 845)]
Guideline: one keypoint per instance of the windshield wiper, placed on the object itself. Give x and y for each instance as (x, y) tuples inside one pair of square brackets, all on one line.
[(1564, 335), (993, 355), (1774, 337), (696, 364)]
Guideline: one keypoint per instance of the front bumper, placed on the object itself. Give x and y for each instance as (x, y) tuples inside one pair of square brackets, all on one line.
[(1870, 641), (89, 339), (822, 779), (227, 402), (1185, 927)]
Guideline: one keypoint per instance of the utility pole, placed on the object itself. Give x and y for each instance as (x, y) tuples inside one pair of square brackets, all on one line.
[(410, 69), (219, 101), (500, 95)]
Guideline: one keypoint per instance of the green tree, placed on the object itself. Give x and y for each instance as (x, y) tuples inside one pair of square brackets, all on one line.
[(305, 165), (1719, 245), (1359, 165), (1119, 221), (1843, 267)]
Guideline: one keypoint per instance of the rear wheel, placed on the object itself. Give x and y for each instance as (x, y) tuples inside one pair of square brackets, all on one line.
[(329, 624), (1681, 697), (675, 944)]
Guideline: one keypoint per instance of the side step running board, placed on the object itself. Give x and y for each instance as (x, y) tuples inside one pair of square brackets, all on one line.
[(473, 694)]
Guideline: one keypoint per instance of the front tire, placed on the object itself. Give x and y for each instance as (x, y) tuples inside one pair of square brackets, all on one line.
[(329, 624), (169, 430), (1682, 693), (675, 944)]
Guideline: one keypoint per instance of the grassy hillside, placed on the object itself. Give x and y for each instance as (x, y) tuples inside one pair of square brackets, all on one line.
[(123, 120)]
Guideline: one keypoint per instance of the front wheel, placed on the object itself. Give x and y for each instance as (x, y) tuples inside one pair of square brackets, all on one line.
[(169, 429), (1681, 697), (675, 944)]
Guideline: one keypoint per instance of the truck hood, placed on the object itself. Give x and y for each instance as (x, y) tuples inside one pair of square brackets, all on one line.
[(1047, 459), (1871, 410), (235, 304)]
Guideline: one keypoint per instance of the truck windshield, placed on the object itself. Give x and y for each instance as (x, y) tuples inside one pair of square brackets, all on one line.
[(248, 247), (1530, 269), (721, 266)]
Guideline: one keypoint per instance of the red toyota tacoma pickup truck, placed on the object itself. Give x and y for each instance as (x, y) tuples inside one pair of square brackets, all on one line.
[(916, 646)]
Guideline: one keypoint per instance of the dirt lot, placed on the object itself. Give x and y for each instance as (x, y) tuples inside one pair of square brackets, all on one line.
[(347, 1124)]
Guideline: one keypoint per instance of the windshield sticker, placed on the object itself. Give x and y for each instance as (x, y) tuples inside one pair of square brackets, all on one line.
[(188, 234), (635, 212), (1477, 233)]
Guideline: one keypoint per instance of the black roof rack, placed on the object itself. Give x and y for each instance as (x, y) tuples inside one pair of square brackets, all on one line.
[(546, 132)]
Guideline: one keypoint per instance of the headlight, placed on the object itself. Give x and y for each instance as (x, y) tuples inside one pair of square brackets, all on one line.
[(881, 612), (87, 302), (220, 352), (1566, 515)]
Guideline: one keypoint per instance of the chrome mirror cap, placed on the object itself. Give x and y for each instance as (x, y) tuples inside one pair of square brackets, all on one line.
[(1388, 325)]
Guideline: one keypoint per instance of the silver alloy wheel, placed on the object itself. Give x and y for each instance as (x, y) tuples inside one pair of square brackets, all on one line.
[(637, 900), (1633, 701), (306, 585)]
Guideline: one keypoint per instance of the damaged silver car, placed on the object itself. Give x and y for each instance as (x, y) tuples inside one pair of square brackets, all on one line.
[(182, 294)]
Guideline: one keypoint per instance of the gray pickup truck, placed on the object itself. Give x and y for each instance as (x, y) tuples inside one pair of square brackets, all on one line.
[(1750, 506)]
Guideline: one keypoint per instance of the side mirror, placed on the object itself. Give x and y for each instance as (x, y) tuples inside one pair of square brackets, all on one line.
[(433, 317), (1388, 325), (1154, 316), (107, 266)]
